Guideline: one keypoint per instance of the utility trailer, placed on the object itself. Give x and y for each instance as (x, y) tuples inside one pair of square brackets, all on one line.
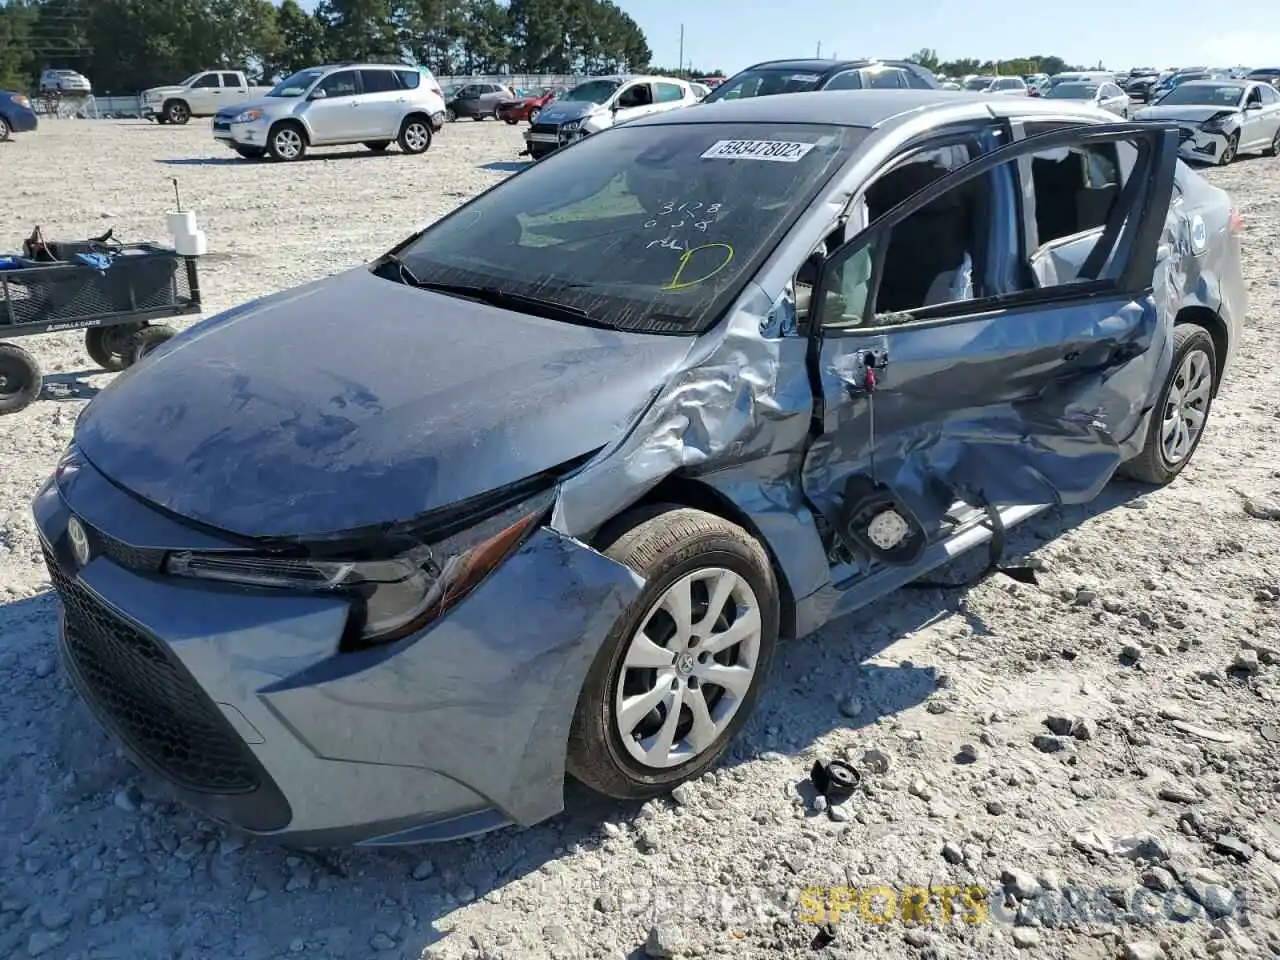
[(115, 292)]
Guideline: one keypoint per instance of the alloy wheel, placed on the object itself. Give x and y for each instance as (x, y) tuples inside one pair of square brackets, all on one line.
[(1229, 151), (288, 143), (688, 667), (1186, 406), (417, 137)]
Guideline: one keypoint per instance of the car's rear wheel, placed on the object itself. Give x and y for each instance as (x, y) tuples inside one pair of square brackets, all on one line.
[(450, 115), (108, 347), (683, 666), (1229, 151), (20, 378), (286, 142), (415, 135), (1181, 411)]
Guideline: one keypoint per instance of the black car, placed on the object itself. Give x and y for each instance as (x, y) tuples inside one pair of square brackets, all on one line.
[(799, 76), (1269, 75), (1139, 86)]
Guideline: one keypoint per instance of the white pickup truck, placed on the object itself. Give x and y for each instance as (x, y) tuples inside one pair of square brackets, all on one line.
[(200, 95)]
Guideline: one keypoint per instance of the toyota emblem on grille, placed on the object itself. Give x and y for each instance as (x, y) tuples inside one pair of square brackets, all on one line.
[(79, 542)]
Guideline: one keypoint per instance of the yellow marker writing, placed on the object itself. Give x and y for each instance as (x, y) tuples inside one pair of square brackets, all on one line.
[(679, 283)]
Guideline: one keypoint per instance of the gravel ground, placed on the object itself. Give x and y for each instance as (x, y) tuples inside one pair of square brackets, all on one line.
[(1099, 751)]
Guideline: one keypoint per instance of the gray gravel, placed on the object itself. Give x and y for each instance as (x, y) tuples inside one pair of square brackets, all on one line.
[(1116, 726)]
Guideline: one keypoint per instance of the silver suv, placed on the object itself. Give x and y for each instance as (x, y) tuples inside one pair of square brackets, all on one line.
[(369, 103)]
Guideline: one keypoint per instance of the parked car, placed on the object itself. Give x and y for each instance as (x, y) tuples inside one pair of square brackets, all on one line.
[(527, 107), (1106, 96), (1007, 87), (1139, 87), (1036, 83), (796, 76), (700, 90), (1269, 75), (478, 101), (601, 103), (977, 84), (16, 115), (64, 81), (314, 108), (1221, 119), (605, 438), (200, 95), (1177, 78)]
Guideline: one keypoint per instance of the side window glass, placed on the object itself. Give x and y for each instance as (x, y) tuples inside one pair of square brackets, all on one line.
[(340, 84), (849, 80), (230, 80), (914, 81), (637, 95), (409, 79), (669, 92), (378, 81), (881, 79), (1075, 190), (926, 260), (208, 80), (1269, 95)]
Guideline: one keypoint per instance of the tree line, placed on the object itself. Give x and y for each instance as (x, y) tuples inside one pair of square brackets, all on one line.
[(1021, 66), (126, 45)]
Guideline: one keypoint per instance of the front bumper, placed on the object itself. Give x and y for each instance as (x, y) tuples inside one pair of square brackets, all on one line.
[(237, 698), (543, 139), (1197, 145), (251, 134)]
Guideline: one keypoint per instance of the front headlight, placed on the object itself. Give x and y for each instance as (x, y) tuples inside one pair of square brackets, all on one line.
[(391, 598), (248, 116)]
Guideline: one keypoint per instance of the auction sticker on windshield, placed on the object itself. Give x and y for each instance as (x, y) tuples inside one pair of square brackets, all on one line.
[(780, 151)]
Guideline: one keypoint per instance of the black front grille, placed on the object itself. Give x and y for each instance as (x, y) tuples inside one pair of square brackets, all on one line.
[(147, 697), (221, 125), (544, 128), (122, 554)]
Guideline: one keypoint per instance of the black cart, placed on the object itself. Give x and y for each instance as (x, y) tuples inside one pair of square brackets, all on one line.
[(115, 294)]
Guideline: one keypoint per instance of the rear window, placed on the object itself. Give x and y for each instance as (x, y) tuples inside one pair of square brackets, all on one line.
[(651, 228), (409, 78)]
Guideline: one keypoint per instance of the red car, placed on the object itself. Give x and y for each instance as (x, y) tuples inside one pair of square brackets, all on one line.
[(526, 108)]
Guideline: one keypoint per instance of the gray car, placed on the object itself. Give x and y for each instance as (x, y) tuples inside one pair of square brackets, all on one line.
[(1104, 96), (601, 438), (478, 101), (1221, 119)]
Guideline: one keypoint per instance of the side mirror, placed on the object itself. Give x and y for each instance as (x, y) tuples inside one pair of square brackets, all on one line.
[(319, 94)]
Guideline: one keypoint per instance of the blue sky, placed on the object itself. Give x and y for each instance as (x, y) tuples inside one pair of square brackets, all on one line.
[(731, 34)]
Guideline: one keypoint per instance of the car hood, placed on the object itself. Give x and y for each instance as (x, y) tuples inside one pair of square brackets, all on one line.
[(161, 91), (1188, 113), (562, 111), (357, 401)]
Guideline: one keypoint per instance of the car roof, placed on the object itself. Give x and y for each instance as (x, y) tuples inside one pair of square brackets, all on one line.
[(850, 108), (817, 65)]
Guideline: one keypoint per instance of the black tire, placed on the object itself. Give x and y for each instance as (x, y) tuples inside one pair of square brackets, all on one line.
[(4, 129), (415, 135), (510, 122), (108, 347), (1230, 151), (1151, 465), (177, 112), (20, 378), (477, 118), (664, 543), (377, 145), (496, 115), (251, 153), (1272, 151), (160, 119), (287, 141), (450, 115), (533, 116), (147, 339)]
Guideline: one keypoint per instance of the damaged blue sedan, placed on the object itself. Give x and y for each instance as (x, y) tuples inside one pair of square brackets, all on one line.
[(384, 558)]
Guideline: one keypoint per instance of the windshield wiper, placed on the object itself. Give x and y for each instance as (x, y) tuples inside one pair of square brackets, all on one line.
[(406, 273), (520, 302)]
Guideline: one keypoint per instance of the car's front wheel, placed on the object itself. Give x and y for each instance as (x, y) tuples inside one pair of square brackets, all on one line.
[(1182, 409), (683, 666), (287, 142), (1230, 150)]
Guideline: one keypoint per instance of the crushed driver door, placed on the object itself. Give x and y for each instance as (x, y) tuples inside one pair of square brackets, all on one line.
[(1015, 394)]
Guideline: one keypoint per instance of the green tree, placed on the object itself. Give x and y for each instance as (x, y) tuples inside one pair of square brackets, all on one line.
[(926, 57), (361, 29), (301, 44)]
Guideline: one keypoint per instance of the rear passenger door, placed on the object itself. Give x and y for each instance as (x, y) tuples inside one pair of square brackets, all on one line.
[(669, 96), (382, 103), (959, 378)]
